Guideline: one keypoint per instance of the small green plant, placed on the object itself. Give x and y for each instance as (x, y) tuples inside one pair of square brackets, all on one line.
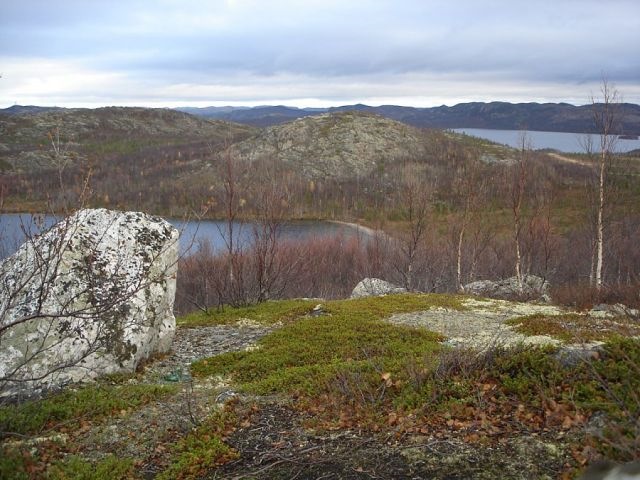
[(201, 450), (77, 468), (14, 463), (610, 386), (89, 403)]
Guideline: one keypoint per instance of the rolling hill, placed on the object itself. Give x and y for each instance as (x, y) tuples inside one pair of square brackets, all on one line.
[(336, 145), (25, 145), (552, 117)]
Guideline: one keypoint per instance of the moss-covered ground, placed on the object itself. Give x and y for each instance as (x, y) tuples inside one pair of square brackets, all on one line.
[(341, 367)]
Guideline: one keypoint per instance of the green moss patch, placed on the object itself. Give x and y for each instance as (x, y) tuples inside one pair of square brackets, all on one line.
[(70, 407), (77, 468), (201, 450), (575, 328), (19, 464), (266, 313), (306, 355)]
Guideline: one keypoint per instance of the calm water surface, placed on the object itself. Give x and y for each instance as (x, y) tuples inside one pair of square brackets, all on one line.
[(192, 233), (563, 142)]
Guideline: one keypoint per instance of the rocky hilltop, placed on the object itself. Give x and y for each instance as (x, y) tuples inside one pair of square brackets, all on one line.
[(336, 145)]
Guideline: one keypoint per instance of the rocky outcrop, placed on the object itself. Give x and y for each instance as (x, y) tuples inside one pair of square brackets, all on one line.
[(532, 288), (92, 296), (605, 470), (616, 310), (338, 145), (374, 287)]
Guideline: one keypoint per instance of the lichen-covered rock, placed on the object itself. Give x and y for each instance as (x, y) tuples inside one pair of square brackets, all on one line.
[(92, 296), (533, 287), (375, 287), (339, 145)]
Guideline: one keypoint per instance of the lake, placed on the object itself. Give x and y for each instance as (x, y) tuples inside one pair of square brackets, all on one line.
[(14, 226), (561, 141)]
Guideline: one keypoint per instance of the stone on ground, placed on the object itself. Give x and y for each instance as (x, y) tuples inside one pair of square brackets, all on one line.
[(533, 287), (92, 296), (375, 287)]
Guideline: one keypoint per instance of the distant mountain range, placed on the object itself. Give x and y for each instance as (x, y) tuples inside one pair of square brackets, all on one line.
[(552, 117), (27, 109)]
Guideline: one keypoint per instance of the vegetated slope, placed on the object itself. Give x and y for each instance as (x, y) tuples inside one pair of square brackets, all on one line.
[(25, 144), (168, 162), (338, 145), (553, 117), (132, 155)]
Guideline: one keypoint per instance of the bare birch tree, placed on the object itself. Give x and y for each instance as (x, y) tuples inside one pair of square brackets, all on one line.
[(518, 189), (468, 187), (414, 196), (605, 117)]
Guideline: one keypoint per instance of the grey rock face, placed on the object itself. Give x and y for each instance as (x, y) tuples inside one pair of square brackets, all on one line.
[(92, 296), (609, 471), (533, 287), (616, 310), (374, 287)]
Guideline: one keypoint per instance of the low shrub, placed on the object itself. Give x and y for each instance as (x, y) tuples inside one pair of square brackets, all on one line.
[(202, 449), (88, 403), (584, 296), (575, 328), (77, 468)]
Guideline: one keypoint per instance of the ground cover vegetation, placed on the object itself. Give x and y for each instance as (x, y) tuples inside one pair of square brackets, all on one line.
[(344, 368)]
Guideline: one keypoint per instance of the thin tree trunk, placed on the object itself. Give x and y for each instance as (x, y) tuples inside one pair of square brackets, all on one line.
[(600, 224), (459, 257)]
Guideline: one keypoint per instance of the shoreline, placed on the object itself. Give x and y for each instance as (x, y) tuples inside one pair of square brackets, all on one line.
[(370, 232)]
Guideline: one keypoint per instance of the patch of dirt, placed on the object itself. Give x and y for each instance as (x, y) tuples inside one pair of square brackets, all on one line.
[(276, 445)]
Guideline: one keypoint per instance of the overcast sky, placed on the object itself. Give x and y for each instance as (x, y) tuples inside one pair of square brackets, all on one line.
[(168, 53)]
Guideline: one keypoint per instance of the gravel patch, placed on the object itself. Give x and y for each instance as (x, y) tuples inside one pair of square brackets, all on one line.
[(191, 344)]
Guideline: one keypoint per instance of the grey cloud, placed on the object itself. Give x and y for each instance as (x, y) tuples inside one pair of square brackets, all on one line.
[(197, 42)]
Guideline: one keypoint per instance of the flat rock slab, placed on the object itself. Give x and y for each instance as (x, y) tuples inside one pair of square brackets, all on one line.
[(482, 326)]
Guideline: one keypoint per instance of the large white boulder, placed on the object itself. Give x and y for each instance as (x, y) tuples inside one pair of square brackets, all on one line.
[(374, 287), (92, 296)]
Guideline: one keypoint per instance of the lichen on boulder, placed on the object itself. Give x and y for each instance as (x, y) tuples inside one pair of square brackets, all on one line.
[(531, 287), (91, 296), (374, 287)]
